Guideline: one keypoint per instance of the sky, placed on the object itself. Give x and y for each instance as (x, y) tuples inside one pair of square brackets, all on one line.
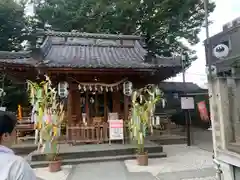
[(225, 11)]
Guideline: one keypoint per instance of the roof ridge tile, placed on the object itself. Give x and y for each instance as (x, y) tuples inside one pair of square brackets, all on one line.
[(91, 35)]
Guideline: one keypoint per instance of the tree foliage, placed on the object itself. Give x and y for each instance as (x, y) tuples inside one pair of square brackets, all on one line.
[(12, 27), (163, 22), (15, 93), (12, 23)]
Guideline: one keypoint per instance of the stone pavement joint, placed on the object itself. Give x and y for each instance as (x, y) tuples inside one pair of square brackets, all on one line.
[(204, 178), (187, 175)]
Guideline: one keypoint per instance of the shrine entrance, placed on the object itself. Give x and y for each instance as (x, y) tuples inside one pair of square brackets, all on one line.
[(91, 106)]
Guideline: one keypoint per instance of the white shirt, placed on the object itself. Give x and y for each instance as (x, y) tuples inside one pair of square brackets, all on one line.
[(13, 167)]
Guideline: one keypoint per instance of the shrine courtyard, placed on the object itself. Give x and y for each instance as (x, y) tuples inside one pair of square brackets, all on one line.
[(182, 163)]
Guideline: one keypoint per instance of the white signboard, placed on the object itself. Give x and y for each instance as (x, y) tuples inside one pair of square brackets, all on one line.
[(116, 129), (187, 103)]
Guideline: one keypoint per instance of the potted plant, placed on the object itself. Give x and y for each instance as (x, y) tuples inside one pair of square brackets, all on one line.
[(50, 134), (48, 115), (143, 106)]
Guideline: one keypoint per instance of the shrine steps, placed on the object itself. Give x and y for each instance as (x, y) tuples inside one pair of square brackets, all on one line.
[(168, 139), (39, 164), (97, 153), (24, 149), (27, 146)]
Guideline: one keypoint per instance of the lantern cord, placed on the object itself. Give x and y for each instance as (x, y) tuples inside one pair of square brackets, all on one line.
[(99, 84)]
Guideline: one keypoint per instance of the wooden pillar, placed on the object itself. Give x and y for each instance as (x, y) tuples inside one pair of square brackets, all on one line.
[(87, 107), (105, 107), (114, 102), (116, 96), (69, 105), (78, 110), (73, 101), (69, 113), (126, 103), (96, 105)]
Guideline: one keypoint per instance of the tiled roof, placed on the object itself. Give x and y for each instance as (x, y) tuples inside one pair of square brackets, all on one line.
[(14, 55), (179, 87), (86, 50), (91, 35), (23, 57), (99, 56)]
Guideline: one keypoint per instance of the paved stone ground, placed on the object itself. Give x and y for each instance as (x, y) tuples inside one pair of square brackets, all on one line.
[(203, 139), (206, 178), (200, 137), (182, 163), (107, 171), (200, 174)]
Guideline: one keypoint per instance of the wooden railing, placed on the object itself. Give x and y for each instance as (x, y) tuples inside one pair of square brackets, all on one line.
[(87, 134), (24, 126), (95, 133)]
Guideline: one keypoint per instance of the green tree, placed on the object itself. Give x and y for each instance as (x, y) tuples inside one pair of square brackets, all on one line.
[(163, 22), (12, 29), (15, 93), (12, 23)]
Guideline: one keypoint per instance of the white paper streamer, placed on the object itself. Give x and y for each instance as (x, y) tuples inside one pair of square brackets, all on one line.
[(157, 120), (36, 137), (163, 103)]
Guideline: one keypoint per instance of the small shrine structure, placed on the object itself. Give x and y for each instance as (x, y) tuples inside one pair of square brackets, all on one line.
[(92, 68)]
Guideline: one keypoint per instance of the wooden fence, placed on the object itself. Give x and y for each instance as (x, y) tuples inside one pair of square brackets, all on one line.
[(24, 126), (96, 133)]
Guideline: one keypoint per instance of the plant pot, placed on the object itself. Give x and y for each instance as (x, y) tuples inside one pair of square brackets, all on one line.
[(55, 166), (142, 159)]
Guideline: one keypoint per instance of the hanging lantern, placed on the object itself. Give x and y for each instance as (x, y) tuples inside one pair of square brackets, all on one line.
[(221, 51), (111, 89), (96, 88), (127, 88), (84, 88), (101, 88), (63, 89), (90, 88), (106, 89), (117, 88)]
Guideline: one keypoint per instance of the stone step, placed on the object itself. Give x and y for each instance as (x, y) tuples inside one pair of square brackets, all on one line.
[(170, 141), (24, 149), (39, 164), (167, 139), (94, 153)]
